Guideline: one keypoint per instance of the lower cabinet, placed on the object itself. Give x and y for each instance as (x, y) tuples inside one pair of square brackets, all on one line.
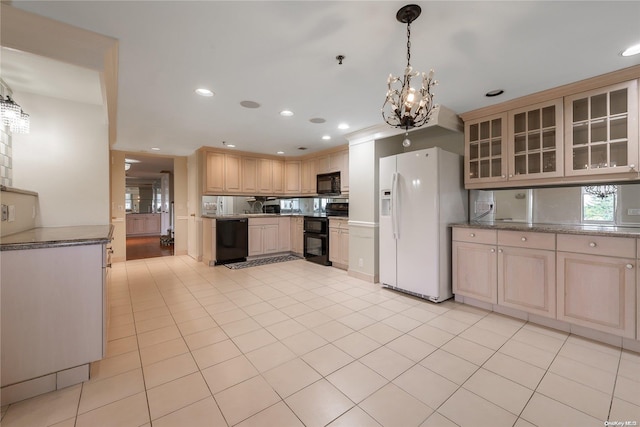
[(474, 262), (594, 290), (339, 242), (583, 280), (263, 236), (143, 224), (297, 235), (208, 241), (527, 272), (284, 234)]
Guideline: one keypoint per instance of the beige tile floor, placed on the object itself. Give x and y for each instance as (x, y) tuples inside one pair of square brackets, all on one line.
[(297, 344)]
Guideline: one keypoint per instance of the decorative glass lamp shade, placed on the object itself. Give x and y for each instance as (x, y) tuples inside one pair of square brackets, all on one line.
[(601, 191), (13, 116)]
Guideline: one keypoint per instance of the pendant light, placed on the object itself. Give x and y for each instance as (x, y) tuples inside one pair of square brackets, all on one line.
[(406, 106)]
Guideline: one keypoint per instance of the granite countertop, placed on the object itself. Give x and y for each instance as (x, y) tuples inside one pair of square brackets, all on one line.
[(587, 229), (54, 237)]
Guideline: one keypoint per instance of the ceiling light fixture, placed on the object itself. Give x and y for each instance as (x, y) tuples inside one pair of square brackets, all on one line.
[(343, 126), (633, 50), (601, 191), (280, 152), (286, 113), (492, 93), (204, 92), (326, 137), (155, 148), (13, 116), (407, 107)]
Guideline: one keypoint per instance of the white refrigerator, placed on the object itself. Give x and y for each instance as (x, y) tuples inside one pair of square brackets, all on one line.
[(421, 193)]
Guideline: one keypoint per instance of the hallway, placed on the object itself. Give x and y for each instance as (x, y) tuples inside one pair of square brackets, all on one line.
[(142, 247)]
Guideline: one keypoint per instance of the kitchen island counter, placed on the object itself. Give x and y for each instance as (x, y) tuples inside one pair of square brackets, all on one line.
[(53, 237)]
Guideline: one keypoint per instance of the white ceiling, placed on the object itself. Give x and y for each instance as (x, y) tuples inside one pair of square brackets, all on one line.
[(282, 55)]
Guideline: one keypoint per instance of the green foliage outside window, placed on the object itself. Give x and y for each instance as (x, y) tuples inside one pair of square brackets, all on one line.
[(598, 209)]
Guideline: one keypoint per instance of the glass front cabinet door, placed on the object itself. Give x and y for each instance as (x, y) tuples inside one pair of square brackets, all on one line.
[(535, 141), (485, 150), (601, 130)]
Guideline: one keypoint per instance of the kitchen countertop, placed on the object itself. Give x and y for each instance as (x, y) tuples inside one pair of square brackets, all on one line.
[(53, 237), (587, 229)]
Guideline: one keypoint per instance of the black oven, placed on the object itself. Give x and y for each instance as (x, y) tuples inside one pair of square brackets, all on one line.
[(316, 239)]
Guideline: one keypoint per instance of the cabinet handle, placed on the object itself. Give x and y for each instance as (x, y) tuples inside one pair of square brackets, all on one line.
[(510, 175), (524, 239), (632, 166), (500, 250), (493, 250), (503, 176), (629, 266), (472, 234), (593, 244)]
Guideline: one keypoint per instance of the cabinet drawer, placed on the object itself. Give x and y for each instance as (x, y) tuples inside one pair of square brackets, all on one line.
[(263, 221), (338, 223), (527, 239), (475, 235), (598, 245)]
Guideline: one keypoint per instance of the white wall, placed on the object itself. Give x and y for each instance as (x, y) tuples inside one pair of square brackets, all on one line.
[(65, 159)]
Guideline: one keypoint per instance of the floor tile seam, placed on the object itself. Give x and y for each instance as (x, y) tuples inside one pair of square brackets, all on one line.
[(569, 405), (565, 376), (496, 404), (309, 385), (537, 390), (615, 384)]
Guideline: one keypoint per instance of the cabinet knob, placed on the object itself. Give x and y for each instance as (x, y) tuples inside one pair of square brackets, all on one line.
[(493, 250), (632, 166), (524, 239), (510, 175), (629, 266), (503, 176), (593, 244), (500, 250), (472, 234)]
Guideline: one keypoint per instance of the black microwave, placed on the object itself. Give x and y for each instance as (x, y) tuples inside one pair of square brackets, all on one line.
[(328, 184)]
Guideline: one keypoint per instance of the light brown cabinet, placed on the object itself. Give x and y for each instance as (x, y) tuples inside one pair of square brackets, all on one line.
[(232, 176), (597, 283), (250, 175), (535, 141), (143, 224), (602, 130), (475, 264), (584, 132), (292, 177), (339, 242), (309, 174), (277, 176), (527, 272), (214, 173), (485, 150), (284, 234), (297, 235), (208, 241), (263, 236)]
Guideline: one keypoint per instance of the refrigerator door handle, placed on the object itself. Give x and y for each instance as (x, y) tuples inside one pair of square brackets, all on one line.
[(394, 204)]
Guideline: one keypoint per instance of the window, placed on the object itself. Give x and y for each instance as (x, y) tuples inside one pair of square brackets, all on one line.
[(598, 209)]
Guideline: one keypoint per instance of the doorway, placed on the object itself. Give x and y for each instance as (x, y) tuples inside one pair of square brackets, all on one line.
[(149, 210)]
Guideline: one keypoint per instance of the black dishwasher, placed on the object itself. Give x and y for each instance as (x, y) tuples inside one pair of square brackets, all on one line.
[(232, 240)]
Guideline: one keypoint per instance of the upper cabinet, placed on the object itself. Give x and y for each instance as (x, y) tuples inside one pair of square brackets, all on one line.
[(602, 130), (535, 141), (581, 133), (485, 150), (226, 172)]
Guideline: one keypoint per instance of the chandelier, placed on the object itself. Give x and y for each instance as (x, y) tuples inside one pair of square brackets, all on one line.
[(601, 191), (13, 116), (405, 106)]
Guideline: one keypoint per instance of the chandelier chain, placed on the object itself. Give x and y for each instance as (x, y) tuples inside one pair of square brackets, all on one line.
[(408, 43)]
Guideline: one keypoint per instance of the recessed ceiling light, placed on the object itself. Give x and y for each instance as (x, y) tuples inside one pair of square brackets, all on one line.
[(317, 120), (493, 93), (155, 148), (280, 152), (131, 161), (204, 92), (343, 126), (228, 145), (633, 50), (326, 137), (249, 104), (286, 113)]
